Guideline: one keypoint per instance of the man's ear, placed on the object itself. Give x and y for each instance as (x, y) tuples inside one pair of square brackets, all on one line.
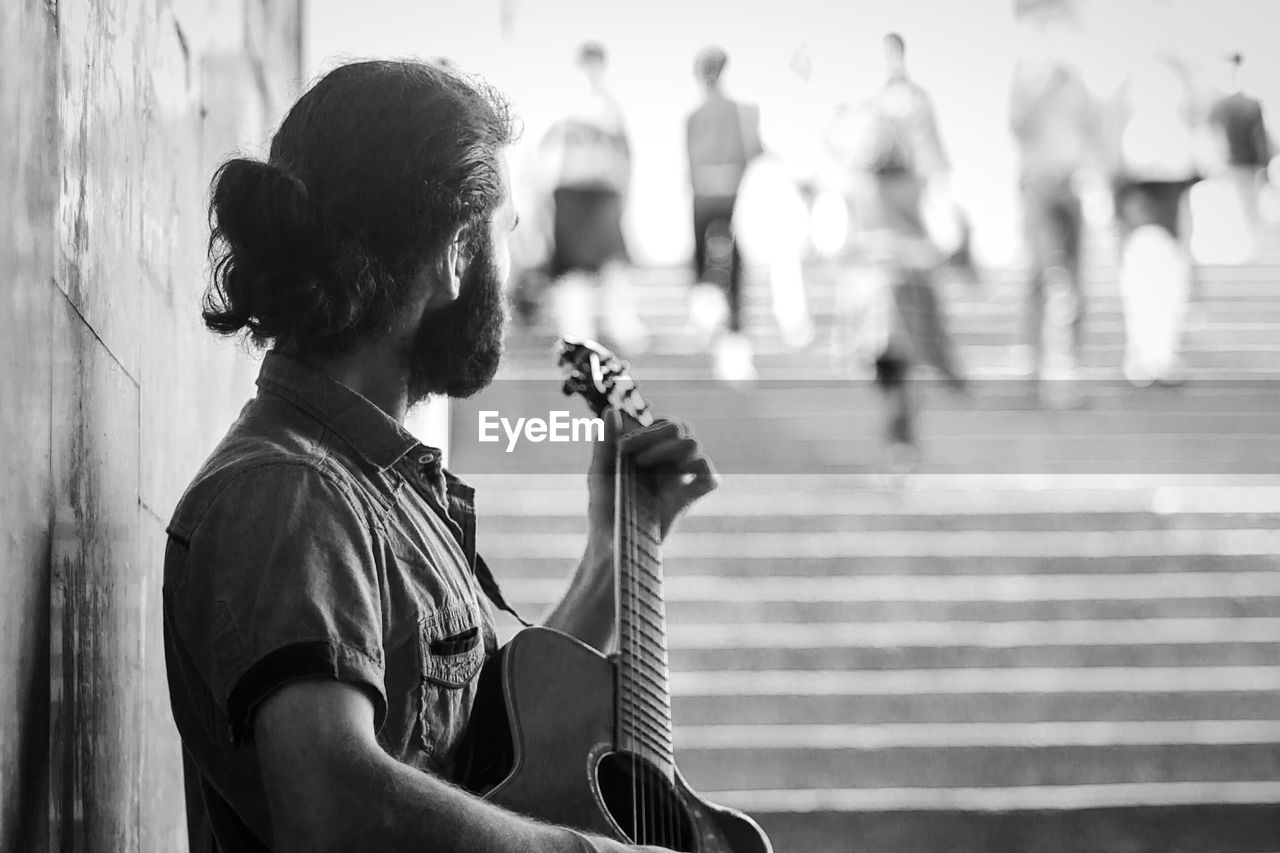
[(450, 268)]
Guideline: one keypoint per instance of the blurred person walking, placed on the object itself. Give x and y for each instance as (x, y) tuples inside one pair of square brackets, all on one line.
[(883, 154), (771, 220), (1055, 122), (1242, 135), (587, 157), (908, 105), (1154, 166), (722, 137)]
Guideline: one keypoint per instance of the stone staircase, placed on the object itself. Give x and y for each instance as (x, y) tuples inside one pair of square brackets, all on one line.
[(1061, 633)]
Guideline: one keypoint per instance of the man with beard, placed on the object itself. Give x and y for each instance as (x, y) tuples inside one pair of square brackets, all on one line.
[(326, 615)]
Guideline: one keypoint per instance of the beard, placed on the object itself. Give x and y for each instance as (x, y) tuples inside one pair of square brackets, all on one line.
[(458, 346)]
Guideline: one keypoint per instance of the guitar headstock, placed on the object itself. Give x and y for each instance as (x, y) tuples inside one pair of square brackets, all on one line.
[(601, 378)]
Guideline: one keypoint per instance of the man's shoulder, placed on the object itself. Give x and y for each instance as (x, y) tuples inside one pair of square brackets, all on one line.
[(262, 454)]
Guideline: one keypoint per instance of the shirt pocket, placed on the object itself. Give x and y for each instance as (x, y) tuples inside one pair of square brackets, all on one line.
[(451, 653)]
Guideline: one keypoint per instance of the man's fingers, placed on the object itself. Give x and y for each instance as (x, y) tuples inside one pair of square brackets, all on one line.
[(640, 438), (673, 452), (705, 479)]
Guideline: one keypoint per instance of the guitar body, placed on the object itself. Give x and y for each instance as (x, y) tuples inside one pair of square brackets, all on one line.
[(561, 733), (555, 696)]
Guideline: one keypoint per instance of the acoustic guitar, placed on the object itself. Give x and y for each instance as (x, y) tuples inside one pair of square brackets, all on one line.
[(567, 735)]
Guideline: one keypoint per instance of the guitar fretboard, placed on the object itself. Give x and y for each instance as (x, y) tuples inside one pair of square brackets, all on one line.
[(644, 683)]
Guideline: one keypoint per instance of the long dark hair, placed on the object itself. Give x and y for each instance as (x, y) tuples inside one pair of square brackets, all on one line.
[(370, 175)]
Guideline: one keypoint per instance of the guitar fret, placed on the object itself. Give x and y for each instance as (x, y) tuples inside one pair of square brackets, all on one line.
[(641, 629), (657, 626), (649, 598), (651, 584), (651, 655), (648, 568), (659, 754), (653, 686), (644, 701), (655, 694), (658, 717), (656, 735), (650, 698), (656, 682), (658, 723), (651, 704), (649, 667), (652, 607), (648, 550), (655, 657)]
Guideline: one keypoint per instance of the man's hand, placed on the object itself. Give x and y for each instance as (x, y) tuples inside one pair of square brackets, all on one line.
[(666, 452), (680, 474)]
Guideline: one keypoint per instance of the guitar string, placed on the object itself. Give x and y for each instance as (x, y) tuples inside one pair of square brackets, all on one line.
[(651, 815), (625, 497), (646, 774), (647, 779), (652, 820), (653, 566), (662, 816), (653, 555), (655, 589), (672, 815), (633, 562), (624, 580)]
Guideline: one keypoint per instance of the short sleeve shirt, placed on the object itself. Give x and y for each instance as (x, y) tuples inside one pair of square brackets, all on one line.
[(319, 540)]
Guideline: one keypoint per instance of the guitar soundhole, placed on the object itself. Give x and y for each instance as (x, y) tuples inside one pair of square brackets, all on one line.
[(644, 803)]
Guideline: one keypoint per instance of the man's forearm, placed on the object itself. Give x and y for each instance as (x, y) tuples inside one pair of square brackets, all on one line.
[(586, 611), (381, 804)]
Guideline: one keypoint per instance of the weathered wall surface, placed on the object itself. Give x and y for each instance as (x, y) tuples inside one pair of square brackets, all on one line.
[(115, 114)]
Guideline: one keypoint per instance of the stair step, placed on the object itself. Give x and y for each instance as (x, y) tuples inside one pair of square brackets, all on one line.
[(754, 515), (745, 655), (713, 599), (1024, 798), (940, 544), (980, 360), (1252, 826), (1208, 405), (745, 616), (916, 565), (966, 735), (1012, 589), (979, 754), (926, 707), (868, 709), (1060, 634), (967, 681), (511, 498)]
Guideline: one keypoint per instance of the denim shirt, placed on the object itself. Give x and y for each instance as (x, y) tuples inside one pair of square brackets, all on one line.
[(319, 540)]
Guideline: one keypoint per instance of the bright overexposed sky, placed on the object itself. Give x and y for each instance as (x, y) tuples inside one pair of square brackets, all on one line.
[(961, 52)]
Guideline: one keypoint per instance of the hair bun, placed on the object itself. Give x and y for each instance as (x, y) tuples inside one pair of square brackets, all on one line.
[(263, 212), (269, 255)]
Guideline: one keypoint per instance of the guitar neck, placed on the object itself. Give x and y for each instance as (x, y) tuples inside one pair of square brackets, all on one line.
[(644, 683)]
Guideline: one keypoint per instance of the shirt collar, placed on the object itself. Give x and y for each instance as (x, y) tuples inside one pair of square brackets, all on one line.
[(371, 432)]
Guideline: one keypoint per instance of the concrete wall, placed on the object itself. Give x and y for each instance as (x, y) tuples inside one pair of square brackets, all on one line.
[(115, 114)]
